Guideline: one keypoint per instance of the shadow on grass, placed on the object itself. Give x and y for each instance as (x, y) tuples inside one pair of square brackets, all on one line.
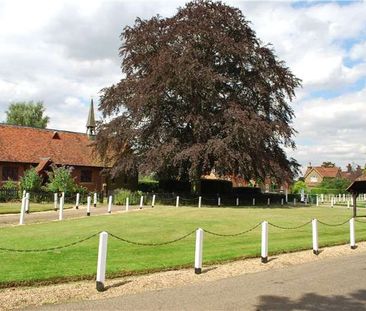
[(314, 302)]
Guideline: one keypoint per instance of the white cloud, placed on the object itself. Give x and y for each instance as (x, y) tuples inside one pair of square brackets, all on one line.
[(358, 51)]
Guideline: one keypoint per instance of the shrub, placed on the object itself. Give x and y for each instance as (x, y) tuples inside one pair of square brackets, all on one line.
[(61, 180), (120, 196), (31, 181)]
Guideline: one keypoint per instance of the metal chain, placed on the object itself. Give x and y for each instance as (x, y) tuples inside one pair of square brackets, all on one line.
[(333, 225), (289, 228), (235, 234), (151, 244), (47, 249)]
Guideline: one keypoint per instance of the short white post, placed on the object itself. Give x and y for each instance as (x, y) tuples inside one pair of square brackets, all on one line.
[(55, 199), (88, 206), (27, 202), (102, 261), (314, 225), (199, 202), (347, 203), (22, 210), (218, 201), (141, 201), (110, 204), (127, 204), (177, 202), (286, 195), (61, 211), (322, 198), (268, 201), (344, 197), (317, 200), (264, 249), (198, 251), (331, 202), (282, 201), (352, 233), (77, 201), (95, 199), (294, 201), (237, 201), (253, 201), (153, 201)]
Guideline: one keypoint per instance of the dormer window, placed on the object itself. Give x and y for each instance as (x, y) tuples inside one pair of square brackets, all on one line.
[(56, 135)]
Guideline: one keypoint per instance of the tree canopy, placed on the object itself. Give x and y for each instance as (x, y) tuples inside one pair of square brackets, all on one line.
[(27, 114), (200, 92)]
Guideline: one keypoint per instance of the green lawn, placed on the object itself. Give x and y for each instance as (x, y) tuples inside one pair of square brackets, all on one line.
[(14, 207), (158, 225)]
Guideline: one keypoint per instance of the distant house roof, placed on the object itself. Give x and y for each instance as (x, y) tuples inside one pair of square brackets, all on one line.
[(325, 172), (33, 145)]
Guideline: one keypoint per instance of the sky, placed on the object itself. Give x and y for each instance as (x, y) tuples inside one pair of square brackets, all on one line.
[(64, 52)]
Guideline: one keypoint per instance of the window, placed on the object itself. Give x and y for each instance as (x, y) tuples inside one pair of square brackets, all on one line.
[(314, 179), (10, 172), (86, 176)]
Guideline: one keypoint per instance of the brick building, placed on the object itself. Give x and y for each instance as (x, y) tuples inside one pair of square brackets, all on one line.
[(24, 147)]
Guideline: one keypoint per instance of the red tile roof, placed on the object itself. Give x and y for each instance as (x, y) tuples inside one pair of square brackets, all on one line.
[(329, 172), (30, 145)]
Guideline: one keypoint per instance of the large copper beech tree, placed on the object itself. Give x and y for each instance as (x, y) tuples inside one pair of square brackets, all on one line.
[(199, 92)]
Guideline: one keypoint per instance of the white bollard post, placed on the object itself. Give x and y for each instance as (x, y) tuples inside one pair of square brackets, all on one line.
[(268, 201), (95, 199), (294, 201), (88, 206), (282, 201), (237, 201), (141, 201), (27, 202), (22, 210), (218, 201), (62, 202), (352, 233), (253, 201), (286, 195), (348, 204), (110, 204), (153, 201), (331, 202), (55, 199), (177, 202), (77, 201), (198, 251), (102, 261), (314, 224), (322, 198), (199, 202), (264, 250), (127, 204), (317, 200)]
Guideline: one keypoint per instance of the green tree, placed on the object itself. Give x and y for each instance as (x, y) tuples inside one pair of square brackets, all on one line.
[(328, 164), (200, 93), (298, 185), (27, 114), (334, 185), (60, 180), (31, 181)]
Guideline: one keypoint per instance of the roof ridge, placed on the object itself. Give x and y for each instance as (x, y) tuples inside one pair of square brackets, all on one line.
[(40, 129)]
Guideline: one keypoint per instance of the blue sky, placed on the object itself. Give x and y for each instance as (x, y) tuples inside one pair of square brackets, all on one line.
[(64, 52)]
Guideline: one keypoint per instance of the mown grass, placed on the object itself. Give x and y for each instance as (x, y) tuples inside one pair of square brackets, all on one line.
[(158, 225), (14, 207)]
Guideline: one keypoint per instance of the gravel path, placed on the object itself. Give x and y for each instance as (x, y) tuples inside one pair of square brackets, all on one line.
[(13, 298)]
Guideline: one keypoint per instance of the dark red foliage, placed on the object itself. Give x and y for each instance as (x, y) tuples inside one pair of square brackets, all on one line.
[(199, 92)]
